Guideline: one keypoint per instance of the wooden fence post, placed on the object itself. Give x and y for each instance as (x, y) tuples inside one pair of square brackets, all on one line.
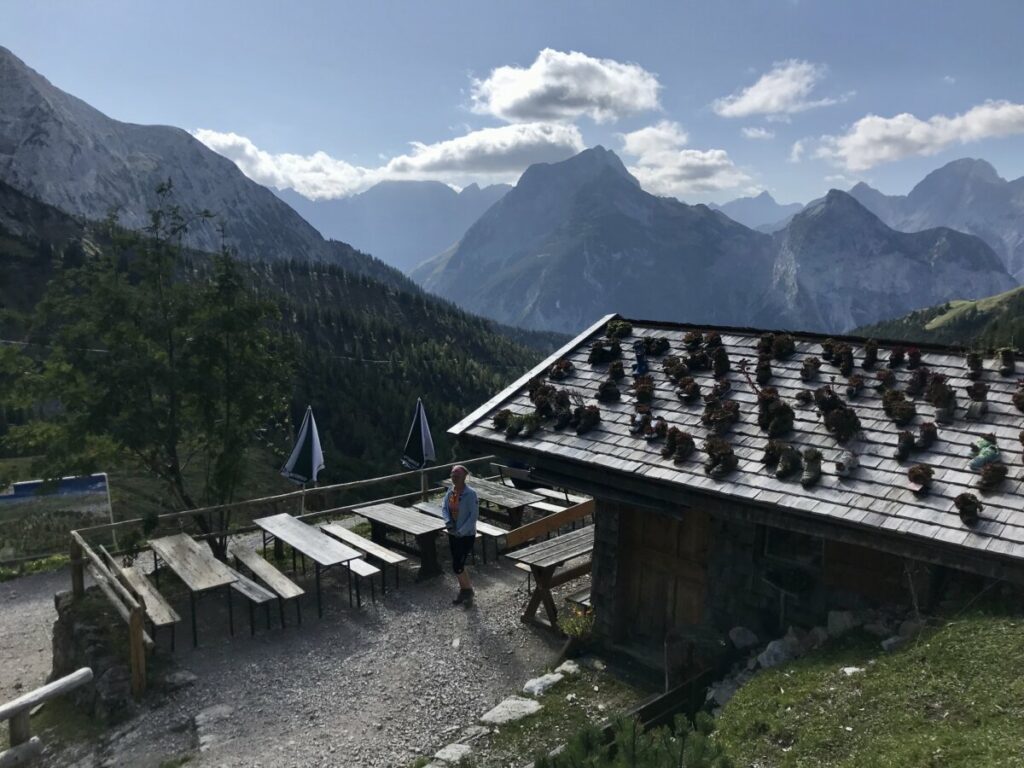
[(137, 650), (20, 731), (423, 485), (77, 570)]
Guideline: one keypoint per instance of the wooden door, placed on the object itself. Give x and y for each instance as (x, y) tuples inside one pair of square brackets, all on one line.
[(663, 570)]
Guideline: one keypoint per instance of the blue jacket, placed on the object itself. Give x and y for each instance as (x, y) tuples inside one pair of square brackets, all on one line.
[(469, 511)]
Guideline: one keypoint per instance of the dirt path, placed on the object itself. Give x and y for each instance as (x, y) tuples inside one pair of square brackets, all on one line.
[(26, 608)]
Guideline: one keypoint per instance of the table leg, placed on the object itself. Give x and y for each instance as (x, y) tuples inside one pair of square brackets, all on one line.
[(427, 543), (192, 600), (378, 533), (231, 613), (280, 604), (515, 517), (541, 593), (252, 622), (266, 608), (319, 600)]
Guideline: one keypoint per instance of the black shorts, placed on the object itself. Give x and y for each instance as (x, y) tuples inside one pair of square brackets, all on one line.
[(461, 546)]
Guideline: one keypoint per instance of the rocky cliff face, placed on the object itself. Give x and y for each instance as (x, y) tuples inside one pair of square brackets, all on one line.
[(966, 195), (580, 238), (58, 149), (838, 266)]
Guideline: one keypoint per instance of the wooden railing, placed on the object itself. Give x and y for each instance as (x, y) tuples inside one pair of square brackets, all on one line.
[(24, 746)]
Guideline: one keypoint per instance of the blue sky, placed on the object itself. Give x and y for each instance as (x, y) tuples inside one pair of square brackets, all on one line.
[(705, 101)]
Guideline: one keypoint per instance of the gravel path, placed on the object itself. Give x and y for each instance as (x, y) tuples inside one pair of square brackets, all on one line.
[(26, 618), (370, 687)]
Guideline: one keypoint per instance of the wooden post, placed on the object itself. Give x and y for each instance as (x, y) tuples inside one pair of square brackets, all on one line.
[(137, 649), (20, 728), (423, 485), (77, 569)]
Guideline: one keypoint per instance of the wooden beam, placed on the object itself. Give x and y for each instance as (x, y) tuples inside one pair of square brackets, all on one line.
[(28, 701), (552, 522)]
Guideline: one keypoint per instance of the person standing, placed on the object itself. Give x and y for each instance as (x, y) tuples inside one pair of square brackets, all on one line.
[(460, 510)]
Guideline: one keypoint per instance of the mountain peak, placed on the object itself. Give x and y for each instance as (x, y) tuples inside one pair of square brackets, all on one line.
[(972, 167)]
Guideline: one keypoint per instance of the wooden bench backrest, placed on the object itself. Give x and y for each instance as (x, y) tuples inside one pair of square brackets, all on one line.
[(546, 525)]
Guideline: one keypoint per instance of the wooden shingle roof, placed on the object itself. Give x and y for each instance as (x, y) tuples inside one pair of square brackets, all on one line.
[(875, 497)]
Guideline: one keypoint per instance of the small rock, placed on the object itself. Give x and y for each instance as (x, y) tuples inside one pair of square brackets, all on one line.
[(455, 643), (878, 629), (777, 652), (569, 667), (453, 753), (539, 685), (742, 638), (511, 709), (472, 733), (213, 714), (818, 636), (850, 671), (181, 678), (841, 622), (892, 643), (594, 663)]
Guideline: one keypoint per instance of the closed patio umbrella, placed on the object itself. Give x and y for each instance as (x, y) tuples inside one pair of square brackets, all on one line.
[(307, 457), (419, 446)]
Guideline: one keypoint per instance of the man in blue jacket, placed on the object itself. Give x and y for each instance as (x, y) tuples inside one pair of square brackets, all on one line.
[(460, 510)]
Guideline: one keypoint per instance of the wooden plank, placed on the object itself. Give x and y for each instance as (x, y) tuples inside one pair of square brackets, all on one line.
[(193, 563), (546, 507), (556, 495), (28, 701), (557, 550), (307, 539), (363, 544), (362, 568), (496, 493), (541, 527), (156, 606), (250, 589), (285, 588), (401, 519)]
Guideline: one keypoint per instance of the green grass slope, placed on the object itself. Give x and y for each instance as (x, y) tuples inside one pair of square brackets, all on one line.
[(995, 321), (953, 697)]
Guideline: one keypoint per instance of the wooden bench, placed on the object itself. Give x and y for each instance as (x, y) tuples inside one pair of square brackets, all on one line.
[(285, 588), (547, 507), (367, 547), (362, 570), (580, 598), (256, 595), (555, 495), (493, 532), (158, 610)]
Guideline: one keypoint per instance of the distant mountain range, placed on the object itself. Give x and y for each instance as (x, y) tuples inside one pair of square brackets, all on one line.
[(402, 223), (966, 195), (58, 149), (761, 212), (579, 238)]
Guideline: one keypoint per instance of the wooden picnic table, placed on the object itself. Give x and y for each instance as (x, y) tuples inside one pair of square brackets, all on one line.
[(387, 516), (197, 568), (310, 542), (513, 500), (544, 559)]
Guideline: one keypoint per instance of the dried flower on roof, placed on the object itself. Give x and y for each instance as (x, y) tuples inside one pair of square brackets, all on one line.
[(763, 372), (608, 392), (585, 418), (992, 476), (1007, 361), (842, 423), (679, 445), (870, 354), (615, 371), (655, 345), (789, 462), (721, 459), (783, 346), (604, 351), (618, 329), (1018, 396), (688, 390), (897, 407), (765, 343), (712, 341), (675, 368), (969, 508), (720, 362), (918, 382), (978, 391), (774, 415), (692, 340), (913, 358), (719, 416), (501, 418), (975, 365), (896, 357), (885, 379), (812, 467), (854, 385), (562, 369), (809, 368), (643, 388), (805, 397), (921, 476), (828, 350), (699, 360)]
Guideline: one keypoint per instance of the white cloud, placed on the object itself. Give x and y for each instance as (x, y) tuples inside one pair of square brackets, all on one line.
[(489, 155), (562, 86), (758, 133), (796, 152), (949, 80), (873, 140), (664, 167), (783, 90)]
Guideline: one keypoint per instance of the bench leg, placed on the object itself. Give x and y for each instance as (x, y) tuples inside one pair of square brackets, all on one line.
[(156, 570), (298, 611), (373, 589), (383, 579), (280, 604), (293, 561), (319, 599), (266, 609), (231, 614), (252, 620), (302, 557), (195, 636), (348, 569), (359, 597)]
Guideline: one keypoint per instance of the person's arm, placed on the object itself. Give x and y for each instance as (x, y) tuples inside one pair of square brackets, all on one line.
[(469, 511), (445, 514)]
